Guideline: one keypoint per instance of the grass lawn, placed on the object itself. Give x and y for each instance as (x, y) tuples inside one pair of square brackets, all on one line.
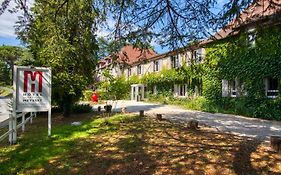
[(127, 144), (4, 93)]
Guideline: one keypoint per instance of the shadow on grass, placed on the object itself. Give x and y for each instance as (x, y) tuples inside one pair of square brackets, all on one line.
[(133, 145), (242, 158), (35, 150)]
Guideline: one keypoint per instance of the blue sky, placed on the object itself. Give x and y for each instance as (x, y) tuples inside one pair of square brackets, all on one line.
[(7, 31), (8, 36)]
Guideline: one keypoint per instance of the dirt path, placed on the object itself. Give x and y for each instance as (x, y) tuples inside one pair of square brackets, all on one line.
[(242, 126)]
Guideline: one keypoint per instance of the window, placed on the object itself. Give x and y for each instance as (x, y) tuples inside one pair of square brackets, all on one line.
[(197, 56), (145, 92), (129, 72), (252, 37), (139, 71), (180, 90), (156, 66), (272, 87), (187, 59), (174, 61), (233, 88)]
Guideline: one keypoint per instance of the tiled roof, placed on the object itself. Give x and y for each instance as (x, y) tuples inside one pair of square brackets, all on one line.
[(131, 55), (258, 10)]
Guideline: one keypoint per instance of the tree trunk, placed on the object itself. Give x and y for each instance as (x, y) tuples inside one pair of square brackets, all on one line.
[(67, 105)]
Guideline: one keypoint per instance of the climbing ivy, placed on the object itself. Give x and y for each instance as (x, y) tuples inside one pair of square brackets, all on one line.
[(234, 58), (228, 59)]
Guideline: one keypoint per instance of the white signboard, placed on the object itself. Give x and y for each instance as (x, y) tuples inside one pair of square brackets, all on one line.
[(33, 89)]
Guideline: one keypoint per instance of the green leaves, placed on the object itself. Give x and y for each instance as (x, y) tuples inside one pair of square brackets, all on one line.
[(114, 88)]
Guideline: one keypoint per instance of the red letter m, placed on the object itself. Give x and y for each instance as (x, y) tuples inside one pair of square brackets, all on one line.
[(31, 81)]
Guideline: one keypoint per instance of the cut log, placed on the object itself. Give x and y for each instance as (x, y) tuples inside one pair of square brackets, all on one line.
[(108, 108), (99, 108), (159, 116), (275, 143), (193, 124), (141, 113), (124, 110)]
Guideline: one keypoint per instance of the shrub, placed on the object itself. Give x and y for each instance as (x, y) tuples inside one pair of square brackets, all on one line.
[(82, 108), (87, 95)]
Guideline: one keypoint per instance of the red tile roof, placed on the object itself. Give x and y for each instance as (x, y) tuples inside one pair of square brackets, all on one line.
[(258, 10), (131, 55)]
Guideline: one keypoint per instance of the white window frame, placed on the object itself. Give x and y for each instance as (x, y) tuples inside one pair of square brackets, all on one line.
[(177, 90), (198, 56), (267, 90), (233, 88), (251, 37), (174, 61)]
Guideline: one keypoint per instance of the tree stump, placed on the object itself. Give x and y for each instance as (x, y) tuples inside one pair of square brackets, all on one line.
[(141, 113), (124, 110), (108, 108), (193, 124), (275, 143), (159, 117)]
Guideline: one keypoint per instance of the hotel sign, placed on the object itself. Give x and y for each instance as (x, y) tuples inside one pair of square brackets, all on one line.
[(33, 89)]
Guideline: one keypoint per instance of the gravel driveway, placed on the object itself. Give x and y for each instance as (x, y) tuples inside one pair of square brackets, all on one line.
[(242, 126), (4, 113)]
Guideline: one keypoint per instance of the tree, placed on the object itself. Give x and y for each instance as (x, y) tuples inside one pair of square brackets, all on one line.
[(173, 23), (8, 56), (170, 22), (113, 89), (4, 73), (62, 36)]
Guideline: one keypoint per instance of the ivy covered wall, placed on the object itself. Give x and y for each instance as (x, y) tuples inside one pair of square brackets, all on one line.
[(234, 58), (229, 59)]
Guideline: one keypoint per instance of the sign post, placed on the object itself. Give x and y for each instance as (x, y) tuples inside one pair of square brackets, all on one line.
[(32, 92)]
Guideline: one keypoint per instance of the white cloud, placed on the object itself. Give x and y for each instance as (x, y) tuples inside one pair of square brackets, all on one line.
[(8, 21), (105, 31)]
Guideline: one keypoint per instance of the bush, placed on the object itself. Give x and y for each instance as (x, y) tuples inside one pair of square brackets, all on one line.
[(87, 95), (82, 108)]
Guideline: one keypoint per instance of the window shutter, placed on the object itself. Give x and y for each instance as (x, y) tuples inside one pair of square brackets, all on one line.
[(225, 88), (185, 87), (179, 60), (265, 81), (238, 87), (175, 90), (160, 65)]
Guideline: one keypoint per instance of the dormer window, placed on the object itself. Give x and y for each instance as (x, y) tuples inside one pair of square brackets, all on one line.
[(156, 66), (251, 38)]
